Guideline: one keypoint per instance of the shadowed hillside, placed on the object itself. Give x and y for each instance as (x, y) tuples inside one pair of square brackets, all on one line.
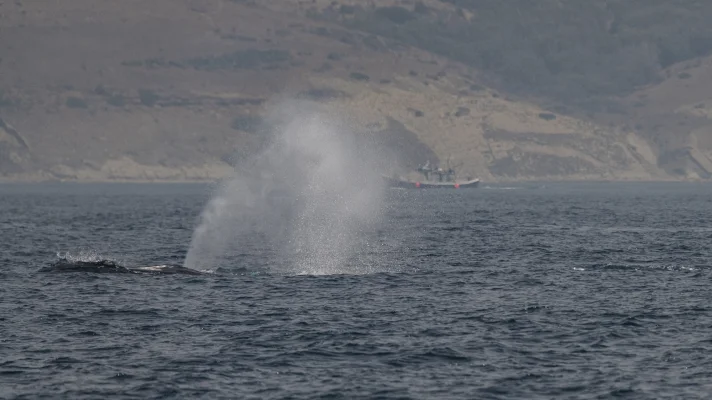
[(598, 60), (178, 89)]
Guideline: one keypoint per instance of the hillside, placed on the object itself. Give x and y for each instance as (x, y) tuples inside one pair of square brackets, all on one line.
[(176, 89), (676, 118)]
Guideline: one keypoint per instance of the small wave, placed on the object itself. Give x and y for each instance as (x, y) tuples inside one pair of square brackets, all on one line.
[(208, 271), (502, 187), (644, 267)]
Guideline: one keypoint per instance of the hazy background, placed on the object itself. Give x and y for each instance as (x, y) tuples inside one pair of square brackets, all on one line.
[(507, 90)]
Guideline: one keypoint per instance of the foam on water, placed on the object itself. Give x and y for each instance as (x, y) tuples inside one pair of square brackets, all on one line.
[(81, 256), (311, 196)]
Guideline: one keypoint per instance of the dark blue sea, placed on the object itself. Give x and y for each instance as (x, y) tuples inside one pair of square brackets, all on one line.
[(521, 291)]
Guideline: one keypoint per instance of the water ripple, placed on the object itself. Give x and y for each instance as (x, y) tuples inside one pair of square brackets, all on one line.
[(559, 292)]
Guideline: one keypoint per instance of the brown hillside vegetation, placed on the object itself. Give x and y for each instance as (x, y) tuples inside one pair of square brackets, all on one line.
[(175, 89)]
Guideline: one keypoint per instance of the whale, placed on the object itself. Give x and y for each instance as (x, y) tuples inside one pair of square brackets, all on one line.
[(112, 267)]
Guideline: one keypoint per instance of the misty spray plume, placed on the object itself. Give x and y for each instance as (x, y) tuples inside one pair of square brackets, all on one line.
[(304, 204)]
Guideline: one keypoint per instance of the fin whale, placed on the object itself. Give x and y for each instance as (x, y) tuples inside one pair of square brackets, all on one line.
[(108, 266)]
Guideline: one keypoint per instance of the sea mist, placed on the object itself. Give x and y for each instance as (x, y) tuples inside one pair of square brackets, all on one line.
[(306, 204)]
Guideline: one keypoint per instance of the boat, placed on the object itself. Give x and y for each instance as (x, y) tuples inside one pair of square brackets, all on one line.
[(408, 184), (445, 180)]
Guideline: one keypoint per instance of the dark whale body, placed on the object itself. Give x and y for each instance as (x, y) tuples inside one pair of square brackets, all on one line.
[(107, 266)]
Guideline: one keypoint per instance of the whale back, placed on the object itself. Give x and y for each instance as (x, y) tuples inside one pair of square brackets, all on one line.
[(108, 266)]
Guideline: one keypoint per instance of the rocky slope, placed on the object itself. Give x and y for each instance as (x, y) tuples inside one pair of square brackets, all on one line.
[(176, 89), (676, 118)]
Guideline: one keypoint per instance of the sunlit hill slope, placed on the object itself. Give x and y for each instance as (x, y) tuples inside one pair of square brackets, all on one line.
[(176, 89)]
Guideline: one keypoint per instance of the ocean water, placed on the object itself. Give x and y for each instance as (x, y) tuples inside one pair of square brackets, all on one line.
[(532, 291)]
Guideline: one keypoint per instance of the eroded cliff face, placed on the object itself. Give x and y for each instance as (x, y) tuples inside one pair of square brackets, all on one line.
[(675, 116), (176, 90)]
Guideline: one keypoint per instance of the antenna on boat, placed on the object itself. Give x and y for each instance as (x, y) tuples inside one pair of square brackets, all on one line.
[(452, 170)]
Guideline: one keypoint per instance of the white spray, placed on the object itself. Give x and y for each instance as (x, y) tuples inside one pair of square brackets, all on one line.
[(308, 200)]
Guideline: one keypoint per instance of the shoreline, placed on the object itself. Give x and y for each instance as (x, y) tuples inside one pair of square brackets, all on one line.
[(98, 181), (5, 180)]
